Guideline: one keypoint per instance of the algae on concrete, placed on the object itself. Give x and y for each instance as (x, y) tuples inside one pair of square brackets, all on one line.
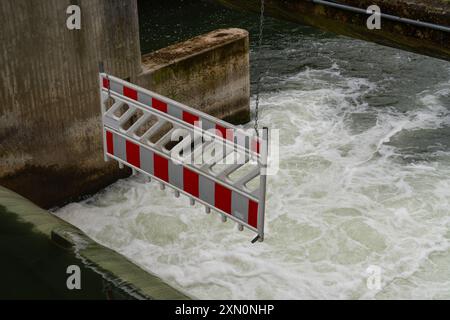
[(36, 248)]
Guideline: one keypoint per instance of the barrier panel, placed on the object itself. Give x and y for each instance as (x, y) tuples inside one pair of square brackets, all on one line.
[(210, 161)]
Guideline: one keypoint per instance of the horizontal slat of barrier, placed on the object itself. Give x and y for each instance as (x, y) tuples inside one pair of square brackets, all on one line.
[(119, 140), (238, 206), (181, 112), (241, 139)]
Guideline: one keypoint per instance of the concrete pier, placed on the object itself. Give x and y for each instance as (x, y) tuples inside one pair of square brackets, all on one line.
[(408, 37), (210, 72), (50, 128), (49, 102)]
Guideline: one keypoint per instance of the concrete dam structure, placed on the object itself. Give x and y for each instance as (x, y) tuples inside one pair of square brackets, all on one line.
[(340, 17)]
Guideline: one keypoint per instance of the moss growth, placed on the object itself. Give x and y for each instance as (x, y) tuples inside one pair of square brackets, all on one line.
[(37, 248)]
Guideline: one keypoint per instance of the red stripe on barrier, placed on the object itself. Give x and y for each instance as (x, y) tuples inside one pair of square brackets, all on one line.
[(222, 198), (161, 167), (253, 213), (133, 154), (109, 143), (130, 93), (159, 105), (105, 83), (224, 132), (190, 182), (256, 146), (190, 118)]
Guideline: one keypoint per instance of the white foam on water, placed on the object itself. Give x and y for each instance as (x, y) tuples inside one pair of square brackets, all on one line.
[(343, 200)]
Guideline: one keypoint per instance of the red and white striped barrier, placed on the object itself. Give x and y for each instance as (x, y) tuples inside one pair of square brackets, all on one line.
[(231, 197)]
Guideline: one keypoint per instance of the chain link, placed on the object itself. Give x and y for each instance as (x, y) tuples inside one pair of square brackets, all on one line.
[(258, 84)]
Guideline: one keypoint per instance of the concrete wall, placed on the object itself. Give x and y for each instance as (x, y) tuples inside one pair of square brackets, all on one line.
[(398, 35), (50, 134), (209, 72), (49, 102)]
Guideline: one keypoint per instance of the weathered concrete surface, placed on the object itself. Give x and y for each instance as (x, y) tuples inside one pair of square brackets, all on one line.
[(209, 72), (49, 102), (50, 132), (407, 37), (36, 248)]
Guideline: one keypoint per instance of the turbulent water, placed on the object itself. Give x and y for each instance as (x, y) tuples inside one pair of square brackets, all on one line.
[(364, 181)]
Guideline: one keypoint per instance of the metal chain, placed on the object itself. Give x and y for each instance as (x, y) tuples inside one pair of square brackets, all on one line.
[(258, 84)]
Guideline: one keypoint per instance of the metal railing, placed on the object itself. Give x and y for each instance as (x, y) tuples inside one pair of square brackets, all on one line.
[(417, 23)]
